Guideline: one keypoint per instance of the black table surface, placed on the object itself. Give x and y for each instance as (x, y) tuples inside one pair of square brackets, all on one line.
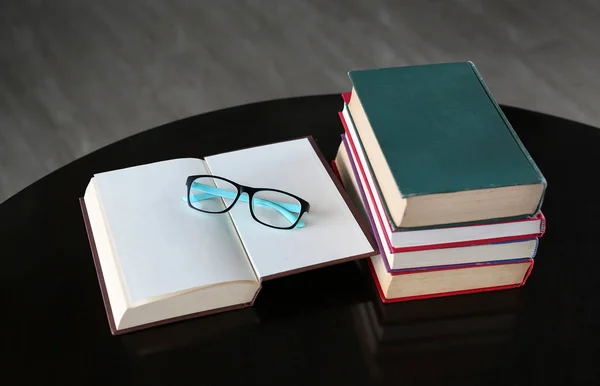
[(326, 326)]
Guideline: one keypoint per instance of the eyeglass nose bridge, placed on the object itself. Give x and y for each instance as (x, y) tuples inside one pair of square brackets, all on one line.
[(248, 190)]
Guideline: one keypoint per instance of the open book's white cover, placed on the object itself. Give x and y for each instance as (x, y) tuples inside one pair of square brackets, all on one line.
[(331, 232)]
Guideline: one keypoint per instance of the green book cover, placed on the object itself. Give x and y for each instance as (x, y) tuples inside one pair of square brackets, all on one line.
[(441, 131)]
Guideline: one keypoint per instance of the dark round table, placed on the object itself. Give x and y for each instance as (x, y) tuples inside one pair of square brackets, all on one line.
[(326, 326)]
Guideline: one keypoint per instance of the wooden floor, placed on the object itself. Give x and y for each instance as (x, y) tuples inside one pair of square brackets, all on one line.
[(75, 75)]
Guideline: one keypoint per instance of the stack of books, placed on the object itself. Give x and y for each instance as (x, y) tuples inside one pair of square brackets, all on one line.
[(451, 193)]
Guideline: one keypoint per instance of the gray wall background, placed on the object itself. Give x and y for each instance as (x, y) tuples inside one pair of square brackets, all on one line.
[(78, 75)]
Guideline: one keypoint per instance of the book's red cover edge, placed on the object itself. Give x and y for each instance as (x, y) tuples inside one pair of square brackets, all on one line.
[(335, 169), (528, 272), (455, 244), (542, 223), (444, 294), (106, 300)]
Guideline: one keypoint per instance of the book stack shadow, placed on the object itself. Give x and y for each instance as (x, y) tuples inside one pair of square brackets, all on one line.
[(451, 193)]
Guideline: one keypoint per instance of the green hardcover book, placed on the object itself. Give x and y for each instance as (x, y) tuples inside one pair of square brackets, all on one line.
[(440, 147)]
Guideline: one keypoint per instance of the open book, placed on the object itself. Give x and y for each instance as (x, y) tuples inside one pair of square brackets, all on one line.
[(158, 260)]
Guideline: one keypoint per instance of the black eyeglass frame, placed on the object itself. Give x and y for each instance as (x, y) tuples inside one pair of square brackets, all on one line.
[(250, 191)]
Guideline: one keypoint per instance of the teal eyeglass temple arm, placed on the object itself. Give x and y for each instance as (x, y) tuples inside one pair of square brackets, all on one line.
[(284, 208)]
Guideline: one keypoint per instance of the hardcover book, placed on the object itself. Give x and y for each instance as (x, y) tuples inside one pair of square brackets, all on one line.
[(158, 260), (447, 281), (441, 150), (407, 240)]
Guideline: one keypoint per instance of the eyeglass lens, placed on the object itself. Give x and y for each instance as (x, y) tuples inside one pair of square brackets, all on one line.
[(212, 194), (276, 209)]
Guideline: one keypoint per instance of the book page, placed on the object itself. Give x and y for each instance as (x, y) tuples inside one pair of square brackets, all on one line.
[(162, 245), (331, 232)]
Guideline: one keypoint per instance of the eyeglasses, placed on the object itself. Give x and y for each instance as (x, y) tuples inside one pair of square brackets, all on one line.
[(271, 207)]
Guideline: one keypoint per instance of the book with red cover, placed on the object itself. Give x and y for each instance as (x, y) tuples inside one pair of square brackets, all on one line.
[(448, 237), (453, 269)]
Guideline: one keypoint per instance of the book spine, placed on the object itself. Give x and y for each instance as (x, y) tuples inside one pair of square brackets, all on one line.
[(346, 97), (537, 245), (542, 224)]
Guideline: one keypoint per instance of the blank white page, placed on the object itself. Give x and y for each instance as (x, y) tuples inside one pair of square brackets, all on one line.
[(331, 232), (162, 245)]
